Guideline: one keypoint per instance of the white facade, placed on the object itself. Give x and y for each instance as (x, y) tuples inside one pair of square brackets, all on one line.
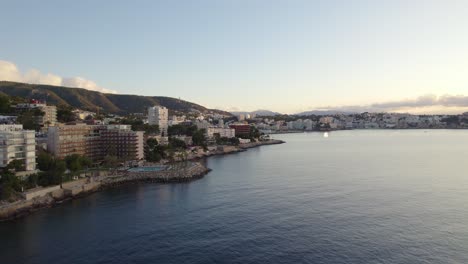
[(223, 132), (17, 143), (158, 115)]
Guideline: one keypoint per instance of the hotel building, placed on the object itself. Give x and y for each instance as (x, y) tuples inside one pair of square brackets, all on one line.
[(17, 144), (158, 115), (96, 141)]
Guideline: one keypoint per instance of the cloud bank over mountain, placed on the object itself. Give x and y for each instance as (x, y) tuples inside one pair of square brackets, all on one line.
[(426, 103), (10, 72)]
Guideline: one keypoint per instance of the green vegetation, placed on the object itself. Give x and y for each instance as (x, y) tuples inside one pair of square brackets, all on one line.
[(52, 172), (199, 138), (29, 118), (153, 151), (10, 185), (138, 125), (92, 100), (76, 163), (5, 104), (65, 114), (176, 143), (180, 129), (227, 141)]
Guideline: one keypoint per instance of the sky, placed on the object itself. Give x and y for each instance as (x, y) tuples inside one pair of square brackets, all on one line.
[(287, 56)]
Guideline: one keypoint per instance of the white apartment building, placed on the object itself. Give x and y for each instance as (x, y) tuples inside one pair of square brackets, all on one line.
[(223, 132), (17, 143), (158, 115)]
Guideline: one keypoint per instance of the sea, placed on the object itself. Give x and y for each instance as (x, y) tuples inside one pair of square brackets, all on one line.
[(359, 196)]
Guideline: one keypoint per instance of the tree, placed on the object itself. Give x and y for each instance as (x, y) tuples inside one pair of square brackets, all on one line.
[(176, 143), (73, 163), (199, 138), (153, 151), (5, 104), (29, 119), (65, 114), (17, 165), (234, 141), (9, 185), (31, 181), (181, 129), (44, 161), (52, 169), (254, 133), (152, 143)]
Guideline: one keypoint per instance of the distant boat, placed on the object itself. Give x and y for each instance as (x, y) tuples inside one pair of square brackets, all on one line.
[(325, 135)]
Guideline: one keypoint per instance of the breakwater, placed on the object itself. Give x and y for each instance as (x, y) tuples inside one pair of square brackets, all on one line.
[(47, 197)]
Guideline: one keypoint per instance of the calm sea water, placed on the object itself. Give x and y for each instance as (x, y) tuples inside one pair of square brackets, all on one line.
[(354, 197)]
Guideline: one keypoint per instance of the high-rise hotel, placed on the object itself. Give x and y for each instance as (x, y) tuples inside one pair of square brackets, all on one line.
[(17, 144), (158, 115)]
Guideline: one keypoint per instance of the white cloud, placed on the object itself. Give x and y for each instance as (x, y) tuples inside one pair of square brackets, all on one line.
[(10, 72), (426, 103)]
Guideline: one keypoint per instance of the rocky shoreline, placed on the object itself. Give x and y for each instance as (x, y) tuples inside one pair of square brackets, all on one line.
[(178, 172)]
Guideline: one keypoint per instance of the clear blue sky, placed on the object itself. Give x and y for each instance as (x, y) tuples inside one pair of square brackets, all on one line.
[(286, 56)]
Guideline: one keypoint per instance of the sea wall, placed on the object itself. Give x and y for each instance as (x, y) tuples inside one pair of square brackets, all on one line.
[(177, 172), (37, 192), (46, 197)]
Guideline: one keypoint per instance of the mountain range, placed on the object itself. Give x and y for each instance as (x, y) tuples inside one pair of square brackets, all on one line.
[(260, 112), (96, 101)]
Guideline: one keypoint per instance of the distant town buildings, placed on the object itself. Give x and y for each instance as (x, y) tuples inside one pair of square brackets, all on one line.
[(158, 115), (8, 119), (17, 144)]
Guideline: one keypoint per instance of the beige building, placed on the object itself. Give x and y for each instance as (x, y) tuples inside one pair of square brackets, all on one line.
[(17, 144), (50, 112), (96, 141)]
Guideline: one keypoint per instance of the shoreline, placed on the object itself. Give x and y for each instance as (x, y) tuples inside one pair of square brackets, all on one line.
[(184, 171)]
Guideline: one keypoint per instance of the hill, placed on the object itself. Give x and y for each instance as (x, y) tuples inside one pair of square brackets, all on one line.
[(260, 112), (324, 112), (94, 101)]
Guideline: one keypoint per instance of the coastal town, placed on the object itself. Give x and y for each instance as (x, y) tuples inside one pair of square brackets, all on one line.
[(341, 121), (50, 153)]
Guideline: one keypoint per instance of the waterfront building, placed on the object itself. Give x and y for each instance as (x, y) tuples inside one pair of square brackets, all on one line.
[(81, 139), (96, 141), (158, 115), (241, 129), (221, 131), (17, 144)]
